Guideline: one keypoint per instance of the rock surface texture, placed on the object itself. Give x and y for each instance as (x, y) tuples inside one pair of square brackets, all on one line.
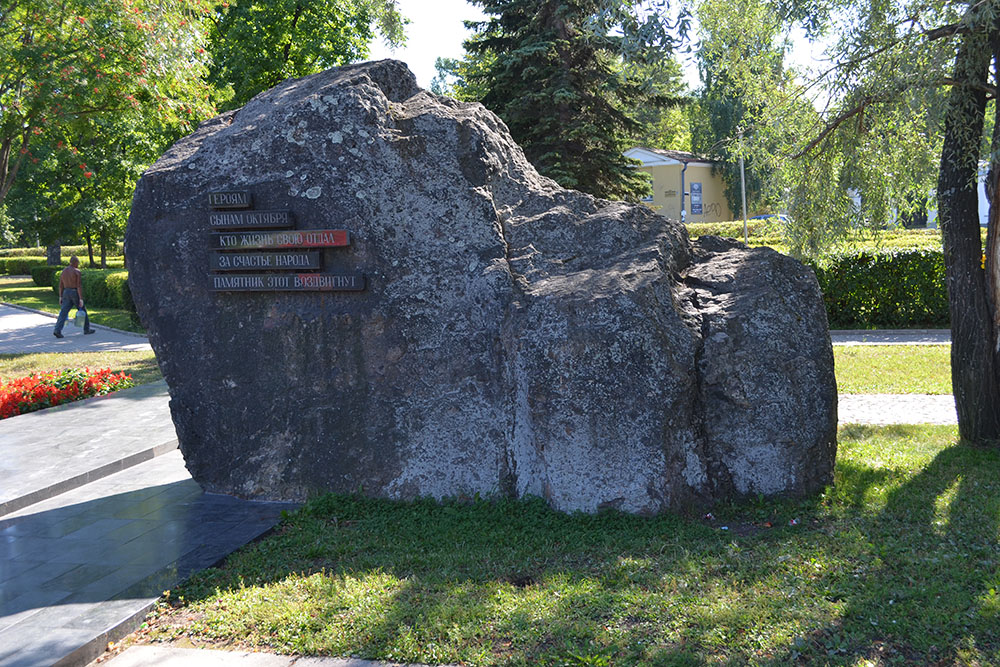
[(514, 337)]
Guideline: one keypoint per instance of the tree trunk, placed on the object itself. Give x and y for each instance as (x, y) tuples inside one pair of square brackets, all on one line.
[(90, 244), (53, 253), (973, 362)]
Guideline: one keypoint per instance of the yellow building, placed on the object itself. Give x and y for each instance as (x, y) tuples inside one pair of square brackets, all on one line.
[(684, 187)]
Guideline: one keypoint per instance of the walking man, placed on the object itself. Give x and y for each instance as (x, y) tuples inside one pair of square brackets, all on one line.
[(71, 294)]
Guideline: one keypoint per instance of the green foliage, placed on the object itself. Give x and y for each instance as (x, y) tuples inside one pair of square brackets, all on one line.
[(20, 266), (741, 61), (66, 250), (257, 44), (24, 292), (664, 126), (888, 288), (68, 63), (556, 83), (43, 274), (107, 288), (854, 145)]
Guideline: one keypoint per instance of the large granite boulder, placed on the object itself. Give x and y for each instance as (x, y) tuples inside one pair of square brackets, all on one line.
[(511, 337)]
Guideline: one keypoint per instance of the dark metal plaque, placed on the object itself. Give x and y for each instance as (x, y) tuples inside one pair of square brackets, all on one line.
[(304, 238), (264, 261), (230, 199), (255, 219), (288, 282)]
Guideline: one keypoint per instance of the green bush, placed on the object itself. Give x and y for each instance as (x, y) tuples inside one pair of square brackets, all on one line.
[(114, 250), (19, 266), (44, 275), (106, 288), (884, 288), (22, 252)]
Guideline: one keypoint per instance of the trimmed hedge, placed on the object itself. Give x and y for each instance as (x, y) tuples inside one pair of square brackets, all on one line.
[(884, 288), (114, 250), (105, 288), (43, 275), (19, 266)]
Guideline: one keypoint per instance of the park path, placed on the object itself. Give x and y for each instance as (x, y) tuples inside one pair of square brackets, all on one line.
[(23, 330), (98, 514)]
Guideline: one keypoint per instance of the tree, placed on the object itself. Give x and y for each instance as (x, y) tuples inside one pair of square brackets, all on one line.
[(257, 44), (66, 61), (906, 77), (973, 283), (665, 126), (741, 71), (550, 70)]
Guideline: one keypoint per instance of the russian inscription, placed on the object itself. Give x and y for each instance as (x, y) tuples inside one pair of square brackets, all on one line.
[(288, 282), (249, 261), (229, 199), (314, 238), (237, 219)]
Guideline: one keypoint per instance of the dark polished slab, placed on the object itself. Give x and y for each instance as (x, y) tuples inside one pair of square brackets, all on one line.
[(265, 240), (264, 261), (287, 282)]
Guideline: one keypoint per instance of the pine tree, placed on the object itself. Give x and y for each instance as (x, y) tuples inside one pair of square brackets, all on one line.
[(556, 83)]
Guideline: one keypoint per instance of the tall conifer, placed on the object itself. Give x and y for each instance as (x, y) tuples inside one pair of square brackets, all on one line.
[(553, 80)]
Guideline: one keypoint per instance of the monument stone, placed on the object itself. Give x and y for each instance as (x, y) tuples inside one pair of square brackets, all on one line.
[(352, 284)]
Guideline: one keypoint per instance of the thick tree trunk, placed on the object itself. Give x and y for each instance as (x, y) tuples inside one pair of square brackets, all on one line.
[(973, 361), (53, 253)]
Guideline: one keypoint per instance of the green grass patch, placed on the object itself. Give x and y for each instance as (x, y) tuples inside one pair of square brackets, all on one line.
[(893, 369), (24, 292), (141, 365), (897, 562)]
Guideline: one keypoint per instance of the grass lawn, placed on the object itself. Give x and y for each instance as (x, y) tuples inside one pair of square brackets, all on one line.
[(24, 292), (898, 562), (140, 365), (893, 369)]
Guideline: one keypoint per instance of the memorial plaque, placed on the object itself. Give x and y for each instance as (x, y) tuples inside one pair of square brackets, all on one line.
[(229, 199), (306, 238), (237, 219), (264, 261), (288, 282)]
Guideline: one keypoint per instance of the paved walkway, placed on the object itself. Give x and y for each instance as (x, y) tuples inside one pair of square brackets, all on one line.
[(887, 409), (891, 337), (26, 331), (99, 516)]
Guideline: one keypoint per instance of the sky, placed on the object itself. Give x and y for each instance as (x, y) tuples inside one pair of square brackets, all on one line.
[(435, 30)]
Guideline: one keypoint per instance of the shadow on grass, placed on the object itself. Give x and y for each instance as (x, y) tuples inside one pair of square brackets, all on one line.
[(928, 592), (894, 563)]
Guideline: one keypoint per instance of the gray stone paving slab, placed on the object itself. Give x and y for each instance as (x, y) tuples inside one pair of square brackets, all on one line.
[(63, 596), (887, 409), (25, 331), (891, 337), (50, 451)]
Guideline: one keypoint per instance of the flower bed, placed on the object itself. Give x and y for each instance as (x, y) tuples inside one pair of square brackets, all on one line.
[(43, 390)]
